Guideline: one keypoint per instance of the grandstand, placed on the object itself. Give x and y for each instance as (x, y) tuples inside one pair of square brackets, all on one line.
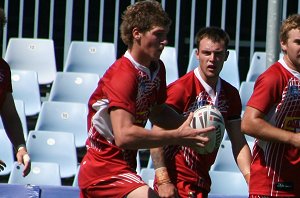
[(95, 21)]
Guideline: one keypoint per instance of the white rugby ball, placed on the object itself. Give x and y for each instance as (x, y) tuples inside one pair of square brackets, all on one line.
[(206, 116)]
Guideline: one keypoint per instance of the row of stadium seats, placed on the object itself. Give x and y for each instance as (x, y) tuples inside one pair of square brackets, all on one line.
[(95, 57), (53, 156)]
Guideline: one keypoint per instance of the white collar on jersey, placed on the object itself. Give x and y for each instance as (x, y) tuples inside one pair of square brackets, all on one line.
[(294, 72), (213, 95), (139, 66)]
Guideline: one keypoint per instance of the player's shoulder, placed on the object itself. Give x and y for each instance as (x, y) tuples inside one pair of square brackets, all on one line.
[(184, 81), (4, 65), (186, 78), (275, 73), (227, 86)]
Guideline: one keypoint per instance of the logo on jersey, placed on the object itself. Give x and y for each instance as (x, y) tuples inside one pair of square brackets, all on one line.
[(292, 124), (202, 99), (293, 90)]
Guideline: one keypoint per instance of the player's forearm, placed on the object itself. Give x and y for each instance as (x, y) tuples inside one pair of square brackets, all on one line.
[(166, 117), (157, 156), (15, 135), (137, 137), (259, 128), (243, 159), (161, 171), (14, 131)]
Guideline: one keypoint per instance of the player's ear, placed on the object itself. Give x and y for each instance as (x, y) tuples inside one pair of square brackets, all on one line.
[(136, 34), (197, 53)]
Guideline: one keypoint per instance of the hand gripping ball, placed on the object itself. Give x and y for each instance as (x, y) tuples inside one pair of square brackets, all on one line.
[(206, 116)]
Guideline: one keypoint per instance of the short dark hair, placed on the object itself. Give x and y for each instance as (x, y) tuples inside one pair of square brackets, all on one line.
[(216, 34)]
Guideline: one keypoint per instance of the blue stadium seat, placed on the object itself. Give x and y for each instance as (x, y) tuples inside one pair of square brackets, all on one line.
[(26, 88), (169, 58), (56, 147), (193, 61), (246, 91), (73, 87), (148, 175), (90, 57), (68, 117), (225, 160), (257, 66), (42, 173), (230, 71), (150, 163), (225, 183), (34, 55), (75, 181)]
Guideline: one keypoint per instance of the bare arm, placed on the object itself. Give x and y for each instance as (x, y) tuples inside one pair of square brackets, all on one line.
[(254, 125), (130, 136), (240, 148), (166, 117), (13, 127), (166, 188)]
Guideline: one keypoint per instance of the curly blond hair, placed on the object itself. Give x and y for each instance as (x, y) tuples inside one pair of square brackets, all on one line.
[(292, 22), (143, 15)]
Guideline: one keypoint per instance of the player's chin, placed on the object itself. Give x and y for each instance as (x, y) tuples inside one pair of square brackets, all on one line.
[(212, 74)]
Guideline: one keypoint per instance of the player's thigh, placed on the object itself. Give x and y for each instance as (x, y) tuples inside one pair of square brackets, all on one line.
[(143, 191)]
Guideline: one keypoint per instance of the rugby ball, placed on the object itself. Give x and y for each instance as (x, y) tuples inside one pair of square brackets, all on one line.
[(206, 116)]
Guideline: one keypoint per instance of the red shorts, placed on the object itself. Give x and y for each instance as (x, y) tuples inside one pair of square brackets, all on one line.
[(99, 177), (113, 187)]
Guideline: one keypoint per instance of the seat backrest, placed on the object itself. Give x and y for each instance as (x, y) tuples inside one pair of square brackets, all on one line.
[(73, 87), (148, 175), (75, 180), (228, 183), (68, 117), (21, 112), (56, 147), (6, 153), (257, 66), (32, 54), (246, 91), (42, 173), (230, 71), (193, 61), (169, 58), (224, 159), (90, 57), (150, 162), (26, 88)]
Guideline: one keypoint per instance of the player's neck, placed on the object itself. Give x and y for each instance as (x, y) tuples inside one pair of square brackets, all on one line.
[(139, 57)]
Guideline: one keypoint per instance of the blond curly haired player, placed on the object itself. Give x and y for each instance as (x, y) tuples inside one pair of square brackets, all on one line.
[(132, 90)]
